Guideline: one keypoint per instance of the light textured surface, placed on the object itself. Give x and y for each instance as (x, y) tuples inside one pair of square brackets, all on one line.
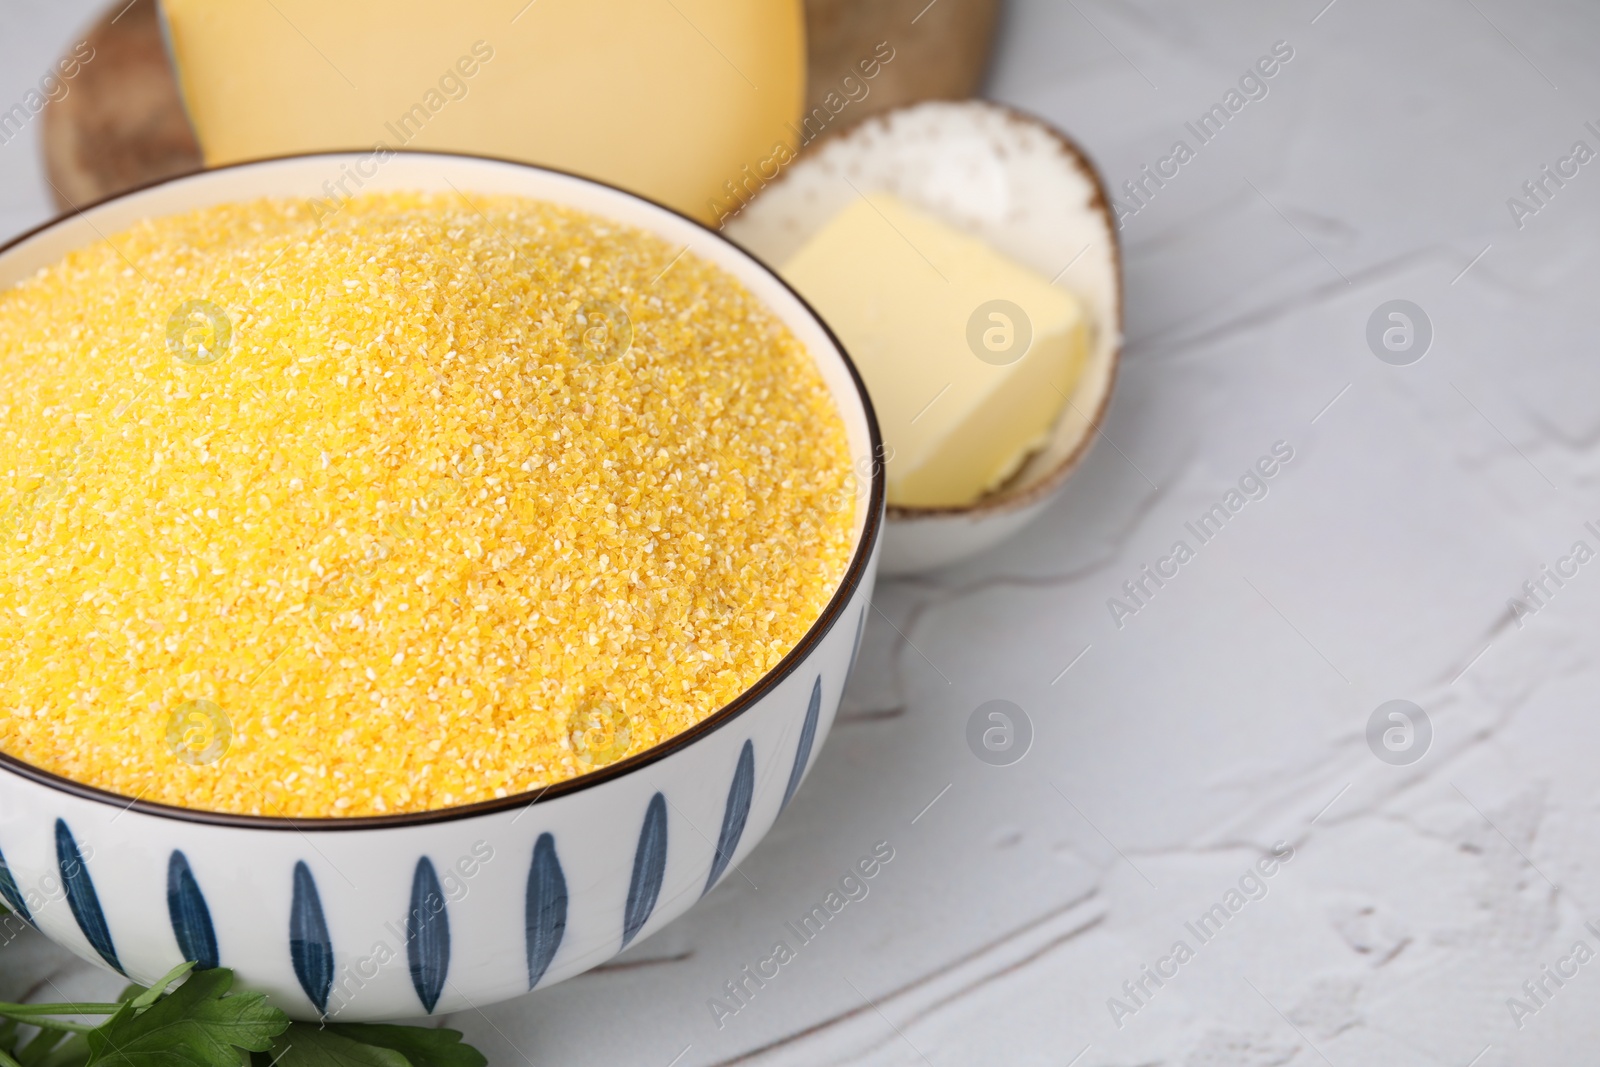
[(1230, 712)]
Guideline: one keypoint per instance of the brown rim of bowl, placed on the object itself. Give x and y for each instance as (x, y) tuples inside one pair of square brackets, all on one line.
[(1015, 500), (854, 574)]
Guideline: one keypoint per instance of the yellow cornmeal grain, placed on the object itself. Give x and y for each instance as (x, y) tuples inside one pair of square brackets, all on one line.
[(405, 542)]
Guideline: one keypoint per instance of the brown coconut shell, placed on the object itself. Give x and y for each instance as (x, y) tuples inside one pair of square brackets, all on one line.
[(941, 51), (121, 124)]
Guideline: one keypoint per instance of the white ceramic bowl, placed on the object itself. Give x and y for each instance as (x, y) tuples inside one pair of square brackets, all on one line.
[(405, 915)]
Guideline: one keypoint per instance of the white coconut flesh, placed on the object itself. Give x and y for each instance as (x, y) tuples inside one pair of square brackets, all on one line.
[(1001, 176)]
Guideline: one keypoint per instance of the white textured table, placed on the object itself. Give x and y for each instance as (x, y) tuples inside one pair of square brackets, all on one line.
[(1229, 713)]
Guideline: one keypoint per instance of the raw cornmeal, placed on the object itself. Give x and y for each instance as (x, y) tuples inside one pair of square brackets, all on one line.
[(361, 516)]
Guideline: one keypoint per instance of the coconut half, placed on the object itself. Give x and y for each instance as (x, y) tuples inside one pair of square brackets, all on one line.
[(1030, 193), (121, 123), (940, 52)]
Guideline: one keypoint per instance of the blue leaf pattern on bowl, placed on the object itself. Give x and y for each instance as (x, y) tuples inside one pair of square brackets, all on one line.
[(13, 895), (808, 734), (649, 867), (545, 917), (427, 935), (81, 897), (191, 919), (310, 947), (735, 814)]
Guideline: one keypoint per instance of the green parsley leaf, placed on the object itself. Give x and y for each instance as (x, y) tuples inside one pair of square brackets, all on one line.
[(200, 1024), (45, 1040), (423, 1046), (142, 997), (308, 1045), (196, 1025)]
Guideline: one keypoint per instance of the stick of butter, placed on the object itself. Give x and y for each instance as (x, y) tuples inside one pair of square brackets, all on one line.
[(968, 356)]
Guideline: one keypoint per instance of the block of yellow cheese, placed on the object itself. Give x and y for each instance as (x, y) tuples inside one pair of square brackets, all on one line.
[(681, 100), (968, 356)]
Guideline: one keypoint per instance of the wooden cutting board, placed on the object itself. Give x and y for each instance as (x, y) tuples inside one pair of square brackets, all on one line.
[(941, 50), (122, 125)]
